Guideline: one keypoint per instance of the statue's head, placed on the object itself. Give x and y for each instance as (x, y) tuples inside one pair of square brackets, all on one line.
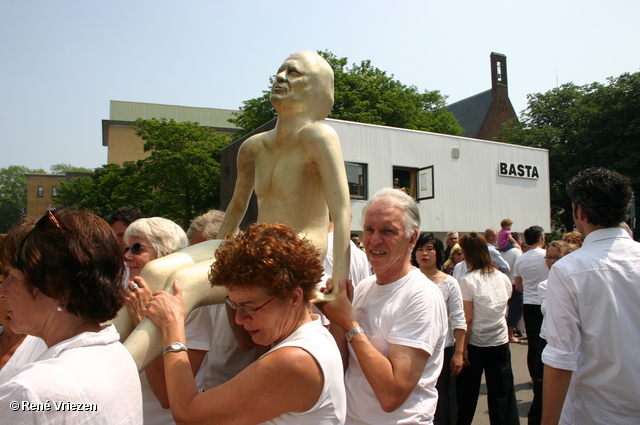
[(304, 84)]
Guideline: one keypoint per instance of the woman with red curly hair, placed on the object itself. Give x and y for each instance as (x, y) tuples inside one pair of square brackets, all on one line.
[(270, 274)]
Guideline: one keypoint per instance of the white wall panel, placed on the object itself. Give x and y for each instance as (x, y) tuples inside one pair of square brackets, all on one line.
[(470, 195)]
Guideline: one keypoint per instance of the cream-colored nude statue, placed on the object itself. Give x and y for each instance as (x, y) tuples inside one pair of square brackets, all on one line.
[(298, 175)]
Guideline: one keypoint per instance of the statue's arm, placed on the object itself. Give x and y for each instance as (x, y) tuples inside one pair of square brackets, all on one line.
[(334, 180), (245, 183)]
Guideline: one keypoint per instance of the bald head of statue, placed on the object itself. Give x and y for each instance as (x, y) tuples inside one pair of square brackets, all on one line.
[(304, 85)]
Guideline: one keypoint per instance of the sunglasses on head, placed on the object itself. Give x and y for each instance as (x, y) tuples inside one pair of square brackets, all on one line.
[(136, 247)]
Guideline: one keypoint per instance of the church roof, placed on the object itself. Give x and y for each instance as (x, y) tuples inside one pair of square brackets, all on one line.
[(472, 111)]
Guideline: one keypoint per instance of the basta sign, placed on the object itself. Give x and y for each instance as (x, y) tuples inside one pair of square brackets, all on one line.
[(523, 171)]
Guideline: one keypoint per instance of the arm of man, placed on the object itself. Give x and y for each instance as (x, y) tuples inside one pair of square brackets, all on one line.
[(519, 284), (334, 180), (499, 261), (392, 378), (554, 391), (245, 184)]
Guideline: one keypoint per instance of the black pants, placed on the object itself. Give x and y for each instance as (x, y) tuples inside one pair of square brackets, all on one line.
[(535, 411), (533, 322), (446, 412), (495, 362)]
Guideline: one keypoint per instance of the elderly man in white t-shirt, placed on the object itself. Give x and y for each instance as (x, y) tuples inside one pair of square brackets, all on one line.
[(397, 325)]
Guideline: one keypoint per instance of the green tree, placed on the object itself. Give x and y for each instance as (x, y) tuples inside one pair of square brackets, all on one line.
[(68, 168), (13, 194), (179, 180), (364, 93), (583, 126)]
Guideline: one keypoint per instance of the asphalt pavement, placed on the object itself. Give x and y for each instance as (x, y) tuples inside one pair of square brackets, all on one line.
[(524, 390)]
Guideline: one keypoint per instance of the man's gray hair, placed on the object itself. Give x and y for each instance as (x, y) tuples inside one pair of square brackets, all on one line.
[(411, 219), (207, 223), (164, 235)]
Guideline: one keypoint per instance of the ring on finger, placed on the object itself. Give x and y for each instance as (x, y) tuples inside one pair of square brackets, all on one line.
[(133, 287)]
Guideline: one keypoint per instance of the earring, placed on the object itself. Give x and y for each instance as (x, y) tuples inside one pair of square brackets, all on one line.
[(59, 308)]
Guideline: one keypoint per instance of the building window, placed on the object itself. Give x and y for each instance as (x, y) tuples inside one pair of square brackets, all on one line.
[(405, 180), (54, 191), (357, 178), (40, 191)]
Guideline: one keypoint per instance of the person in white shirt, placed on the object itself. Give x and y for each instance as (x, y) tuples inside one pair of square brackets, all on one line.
[(592, 321), (270, 274), (359, 267), (514, 313), (64, 281), (485, 292), (530, 270), (428, 256), (397, 324)]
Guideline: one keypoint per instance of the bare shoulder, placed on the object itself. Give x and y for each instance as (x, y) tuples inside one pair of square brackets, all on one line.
[(255, 143), (293, 362)]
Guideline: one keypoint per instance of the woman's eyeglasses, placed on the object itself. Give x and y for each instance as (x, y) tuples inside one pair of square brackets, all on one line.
[(244, 308), (136, 248), (48, 216)]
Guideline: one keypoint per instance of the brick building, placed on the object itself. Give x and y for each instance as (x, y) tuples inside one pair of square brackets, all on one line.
[(483, 114)]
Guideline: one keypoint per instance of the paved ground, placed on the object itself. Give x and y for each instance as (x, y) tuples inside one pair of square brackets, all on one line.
[(524, 391)]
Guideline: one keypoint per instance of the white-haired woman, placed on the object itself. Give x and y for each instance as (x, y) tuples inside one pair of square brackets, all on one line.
[(147, 239)]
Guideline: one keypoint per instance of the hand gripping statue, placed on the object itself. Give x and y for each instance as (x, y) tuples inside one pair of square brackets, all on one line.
[(299, 178)]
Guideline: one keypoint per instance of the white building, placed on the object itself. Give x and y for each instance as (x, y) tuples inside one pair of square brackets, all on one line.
[(460, 183)]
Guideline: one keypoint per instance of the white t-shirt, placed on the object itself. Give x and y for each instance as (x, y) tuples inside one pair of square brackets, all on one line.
[(27, 352), (542, 297), (510, 257), (198, 333), (592, 325), (489, 293), (331, 407), (460, 270), (359, 267), (225, 359), (409, 312), (453, 299), (92, 368), (532, 268)]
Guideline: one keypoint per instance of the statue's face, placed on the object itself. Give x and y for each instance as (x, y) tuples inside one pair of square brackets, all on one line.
[(303, 79)]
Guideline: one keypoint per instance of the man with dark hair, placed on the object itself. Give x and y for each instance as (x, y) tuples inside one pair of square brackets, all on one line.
[(592, 321), (531, 269), (122, 217)]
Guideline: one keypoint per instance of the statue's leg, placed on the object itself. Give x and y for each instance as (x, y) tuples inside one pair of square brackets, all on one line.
[(156, 273), (145, 342)]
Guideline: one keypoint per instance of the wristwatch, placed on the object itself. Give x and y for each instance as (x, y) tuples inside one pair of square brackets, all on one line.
[(174, 348), (353, 332)]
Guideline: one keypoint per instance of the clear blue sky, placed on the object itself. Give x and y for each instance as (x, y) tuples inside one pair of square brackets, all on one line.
[(62, 61)]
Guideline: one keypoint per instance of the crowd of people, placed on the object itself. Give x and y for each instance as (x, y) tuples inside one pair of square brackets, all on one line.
[(404, 342)]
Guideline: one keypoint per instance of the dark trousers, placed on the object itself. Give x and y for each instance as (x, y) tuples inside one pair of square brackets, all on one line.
[(535, 411), (446, 412), (495, 362), (532, 321), (515, 308)]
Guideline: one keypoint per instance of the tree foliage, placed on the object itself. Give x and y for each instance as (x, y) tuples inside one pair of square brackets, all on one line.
[(68, 168), (364, 93), (583, 126), (179, 180), (13, 194)]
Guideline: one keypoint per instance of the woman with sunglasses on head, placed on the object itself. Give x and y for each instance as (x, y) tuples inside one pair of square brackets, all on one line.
[(147, 239), (63, 282), (455, 257), (270, 275)]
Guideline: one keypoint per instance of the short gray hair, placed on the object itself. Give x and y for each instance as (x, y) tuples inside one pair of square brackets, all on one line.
[(164, 235), (207, 223), (411, 219)]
